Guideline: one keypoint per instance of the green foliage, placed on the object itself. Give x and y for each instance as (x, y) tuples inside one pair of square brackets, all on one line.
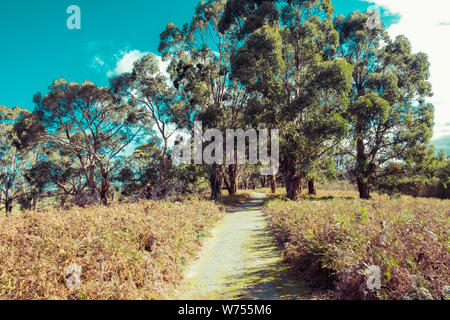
[(366, 111), (299, 87), (426, 174), (91, 126), (388, 113), (14, 160), (259, 63), (333, 87), (149, 91), (140, 169), (200, 69)]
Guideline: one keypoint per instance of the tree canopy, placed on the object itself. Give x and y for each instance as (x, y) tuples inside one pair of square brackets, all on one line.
[(347, 100)]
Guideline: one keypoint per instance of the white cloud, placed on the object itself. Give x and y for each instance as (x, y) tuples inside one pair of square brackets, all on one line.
[(97, 63), (427, 26), (126, 61), (163, 66)]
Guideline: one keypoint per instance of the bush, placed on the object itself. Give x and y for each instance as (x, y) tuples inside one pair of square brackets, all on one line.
[(430, 189), (135, 251), (332, 241)]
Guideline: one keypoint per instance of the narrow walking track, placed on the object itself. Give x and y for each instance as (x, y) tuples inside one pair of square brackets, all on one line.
[(241, 261)]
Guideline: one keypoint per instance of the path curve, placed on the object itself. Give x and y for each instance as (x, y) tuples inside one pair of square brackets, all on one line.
[(241, 261)]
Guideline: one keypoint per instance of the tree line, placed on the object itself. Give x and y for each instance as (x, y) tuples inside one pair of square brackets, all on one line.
[(347, 100)]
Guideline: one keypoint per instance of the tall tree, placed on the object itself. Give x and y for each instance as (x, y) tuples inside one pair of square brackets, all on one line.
[(148, 88), (140, 173), (200, 70), (93, 126), (302, 89), (13, 160), (388, 112)]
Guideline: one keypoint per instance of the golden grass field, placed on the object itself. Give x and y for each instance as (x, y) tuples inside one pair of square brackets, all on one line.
[(140, 251), (129, 251), (332, 238)]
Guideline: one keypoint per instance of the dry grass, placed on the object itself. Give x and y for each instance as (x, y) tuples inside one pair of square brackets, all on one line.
[(238, 199), (133, 251), (332, 238), (279, 191), (227, 201)]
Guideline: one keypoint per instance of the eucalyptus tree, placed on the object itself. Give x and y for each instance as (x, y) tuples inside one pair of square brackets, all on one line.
[(92, 126), (200, 70), (148, 88), (141, 169), (56, 175), (56, 172), (13, 160), (322, 170), (426, 172), (301, 88), (388, 113)]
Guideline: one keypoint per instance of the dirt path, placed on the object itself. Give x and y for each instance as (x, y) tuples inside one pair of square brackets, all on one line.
[(241, 261)]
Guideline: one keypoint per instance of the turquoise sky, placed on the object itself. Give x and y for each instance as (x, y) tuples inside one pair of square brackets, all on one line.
[(36, 46)]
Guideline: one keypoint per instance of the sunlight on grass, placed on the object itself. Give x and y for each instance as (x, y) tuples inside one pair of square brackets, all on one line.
[(135, 251), (333, 236)]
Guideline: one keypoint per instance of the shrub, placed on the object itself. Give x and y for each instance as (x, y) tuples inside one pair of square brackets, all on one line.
[(332, 241)]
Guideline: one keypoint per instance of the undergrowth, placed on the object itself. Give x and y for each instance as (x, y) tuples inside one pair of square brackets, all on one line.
[(134, 251), (332, 239)]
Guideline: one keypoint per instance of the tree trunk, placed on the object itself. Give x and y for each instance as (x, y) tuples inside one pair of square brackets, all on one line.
[(104, 197), (362, 171), (92, 194), (162, 165), (234, 186), (216, 180), (8, 207), (312, 187), (293, 186), (273, 184), (292, 179), (364, 191), (227, 185), (233, 179), (34, 203), (63, 200), (105, 187), (245, 182), (263, 181), (7, 200)]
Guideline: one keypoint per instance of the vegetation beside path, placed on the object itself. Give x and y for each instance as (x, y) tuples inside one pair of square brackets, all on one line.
[(127, 251), (332, 240)]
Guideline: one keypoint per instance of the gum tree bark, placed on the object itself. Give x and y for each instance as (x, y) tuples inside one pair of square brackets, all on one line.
[(273, 183), (311, 187), (216, 176), (292, 178), (363, 171), (231, 184)]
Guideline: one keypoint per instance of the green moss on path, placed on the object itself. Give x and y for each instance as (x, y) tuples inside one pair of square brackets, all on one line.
[(241, 261)]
